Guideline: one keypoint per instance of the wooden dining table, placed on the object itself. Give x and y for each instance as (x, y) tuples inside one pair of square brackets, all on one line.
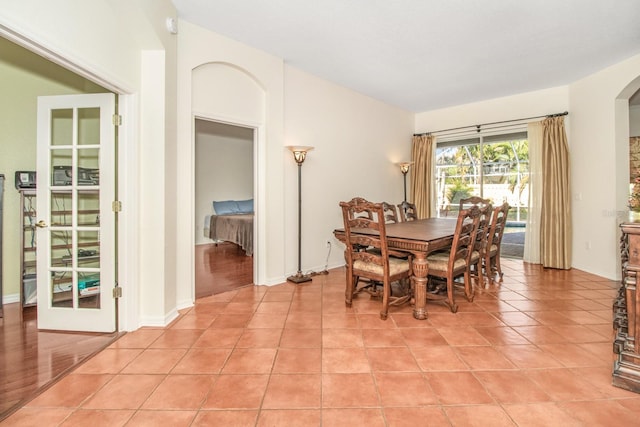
[(420, 238)]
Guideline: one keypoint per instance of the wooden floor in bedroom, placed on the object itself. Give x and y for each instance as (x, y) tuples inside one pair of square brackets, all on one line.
[(32, 360), (220, 268)]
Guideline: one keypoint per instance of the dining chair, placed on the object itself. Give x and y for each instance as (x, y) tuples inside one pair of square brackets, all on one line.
[(408, 211), (482, 235), (365, 227), (390, 213), (448, 265), (494, 241)]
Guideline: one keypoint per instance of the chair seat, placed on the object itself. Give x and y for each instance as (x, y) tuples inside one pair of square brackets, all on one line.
[(396, 266), (440, 261)]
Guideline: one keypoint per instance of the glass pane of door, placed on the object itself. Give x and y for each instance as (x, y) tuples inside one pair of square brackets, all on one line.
[(498, 171), (458, 176), (75, 208), (506, 176)]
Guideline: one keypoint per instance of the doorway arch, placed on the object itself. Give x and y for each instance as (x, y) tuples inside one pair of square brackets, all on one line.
[(225, 93), (622, 134)]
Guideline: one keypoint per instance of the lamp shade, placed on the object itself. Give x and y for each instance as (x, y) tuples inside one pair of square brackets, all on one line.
[(299, 152), (404, 167)]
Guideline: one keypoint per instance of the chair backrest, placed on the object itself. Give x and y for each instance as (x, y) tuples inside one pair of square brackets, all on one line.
[(474, 201), (408, 211), (359, 201), (484, 224), (464, 236), (366, 217), (390, 213), (486, 210), (498, 222)]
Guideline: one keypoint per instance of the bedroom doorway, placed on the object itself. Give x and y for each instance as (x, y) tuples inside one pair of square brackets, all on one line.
[(224, 173)]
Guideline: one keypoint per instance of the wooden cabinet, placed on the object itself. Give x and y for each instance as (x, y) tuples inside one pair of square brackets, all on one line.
[(626, 313)]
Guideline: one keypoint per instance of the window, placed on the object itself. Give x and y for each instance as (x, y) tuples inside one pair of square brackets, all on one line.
[(494, 167)]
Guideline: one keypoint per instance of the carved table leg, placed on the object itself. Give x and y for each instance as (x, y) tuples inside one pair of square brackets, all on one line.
[(420, 269)]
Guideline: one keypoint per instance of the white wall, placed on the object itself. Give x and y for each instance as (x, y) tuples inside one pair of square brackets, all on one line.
[(69, 29), (530, 104), (23, 77), (515, 107), (597, 130), (600, 164), (357, 142), (119, 44), (223, 80), (223, 168)]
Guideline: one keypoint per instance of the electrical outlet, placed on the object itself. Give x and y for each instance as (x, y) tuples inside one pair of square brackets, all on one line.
[(328, 243)]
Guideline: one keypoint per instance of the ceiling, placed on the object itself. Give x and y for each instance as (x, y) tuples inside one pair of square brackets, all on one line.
[(422, 55)]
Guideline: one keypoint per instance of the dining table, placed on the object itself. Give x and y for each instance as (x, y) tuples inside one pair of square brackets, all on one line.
[(420, 238)]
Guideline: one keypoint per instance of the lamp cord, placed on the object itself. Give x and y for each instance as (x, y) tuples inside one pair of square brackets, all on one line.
[(326, 265)]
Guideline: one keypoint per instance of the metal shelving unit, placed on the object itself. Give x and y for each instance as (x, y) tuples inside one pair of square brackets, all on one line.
[(28, 247), (1, 208)]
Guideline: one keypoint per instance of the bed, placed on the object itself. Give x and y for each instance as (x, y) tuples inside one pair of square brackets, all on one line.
[(232, 222)]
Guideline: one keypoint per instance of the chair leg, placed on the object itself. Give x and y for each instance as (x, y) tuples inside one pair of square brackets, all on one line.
[(450, 298), (386, 294), (348, 292), (498, 268), (479, 276), (488, 268), (468, 286)]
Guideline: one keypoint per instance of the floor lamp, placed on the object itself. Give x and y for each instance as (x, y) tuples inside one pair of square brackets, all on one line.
[(404, 168), (299, 154)]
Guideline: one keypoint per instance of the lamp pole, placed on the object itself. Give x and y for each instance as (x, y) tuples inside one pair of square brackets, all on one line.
[(404, 168), (405, 185), (299, 154), (299, 273)]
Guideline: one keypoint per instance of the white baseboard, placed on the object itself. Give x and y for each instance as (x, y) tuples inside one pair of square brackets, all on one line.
[(10, 299), (158, 321)]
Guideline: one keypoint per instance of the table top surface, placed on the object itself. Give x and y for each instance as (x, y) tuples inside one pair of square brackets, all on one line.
[(421, 229), (423, 235)]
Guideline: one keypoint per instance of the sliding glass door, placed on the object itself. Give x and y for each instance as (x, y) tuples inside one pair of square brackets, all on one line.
[(494, 167)]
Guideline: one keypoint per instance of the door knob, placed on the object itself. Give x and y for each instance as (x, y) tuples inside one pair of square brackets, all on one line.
[(41, 224)]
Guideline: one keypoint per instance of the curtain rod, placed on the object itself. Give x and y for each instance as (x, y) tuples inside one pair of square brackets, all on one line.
[(493, 123)]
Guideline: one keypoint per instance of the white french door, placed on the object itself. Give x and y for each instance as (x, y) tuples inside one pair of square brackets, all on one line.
[(75, 221)]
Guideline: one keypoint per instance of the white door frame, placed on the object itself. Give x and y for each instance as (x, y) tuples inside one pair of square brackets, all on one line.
[(128, 307), (257, 128)]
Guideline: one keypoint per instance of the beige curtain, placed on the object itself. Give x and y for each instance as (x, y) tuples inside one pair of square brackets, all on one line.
[(422, 185), (555, 219), (531, 254)]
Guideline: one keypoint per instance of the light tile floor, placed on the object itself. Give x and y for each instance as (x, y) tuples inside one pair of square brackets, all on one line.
[(534, 351)]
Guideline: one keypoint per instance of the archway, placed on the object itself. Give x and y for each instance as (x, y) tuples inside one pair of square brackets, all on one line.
[(213, 85)]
